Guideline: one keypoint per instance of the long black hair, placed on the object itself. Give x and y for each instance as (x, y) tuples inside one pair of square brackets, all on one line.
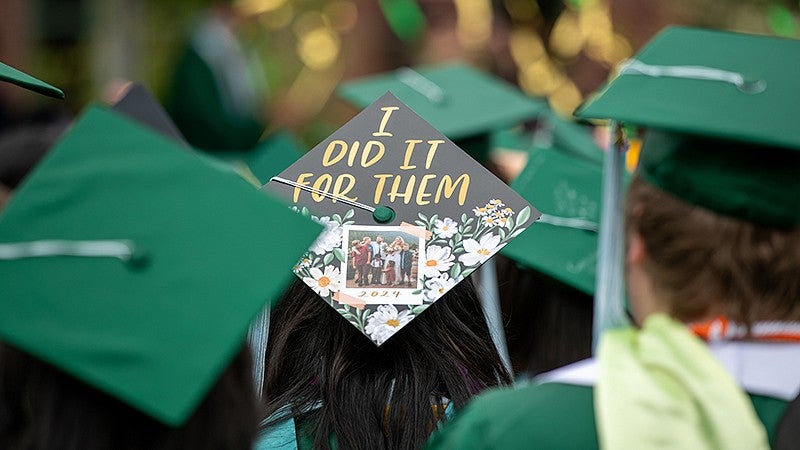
[(340, 386), (41, 407)]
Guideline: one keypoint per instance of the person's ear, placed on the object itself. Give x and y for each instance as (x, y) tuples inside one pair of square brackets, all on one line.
[(636, 250)]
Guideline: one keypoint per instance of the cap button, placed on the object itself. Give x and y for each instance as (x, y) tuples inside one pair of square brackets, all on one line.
[(383, 214)]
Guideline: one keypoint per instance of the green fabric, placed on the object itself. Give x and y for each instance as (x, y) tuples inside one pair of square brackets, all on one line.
[(405, 17), (546, 416), (565, 187), (156, 334), (472, 104), (710, 108), (754, 183), (660, 387), (196, 104), (22, 79)]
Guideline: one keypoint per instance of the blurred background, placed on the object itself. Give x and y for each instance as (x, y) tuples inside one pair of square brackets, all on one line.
[(297, 51)]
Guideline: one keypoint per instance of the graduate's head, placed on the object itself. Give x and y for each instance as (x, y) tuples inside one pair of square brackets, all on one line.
[(713, 224), (713, 219)]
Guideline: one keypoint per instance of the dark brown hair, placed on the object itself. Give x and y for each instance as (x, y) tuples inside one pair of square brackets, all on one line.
[(44, 408), (549, 324), (339, 385), (700, 261)]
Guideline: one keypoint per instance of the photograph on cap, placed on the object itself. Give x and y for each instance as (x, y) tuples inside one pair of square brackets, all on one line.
[(388, 173)]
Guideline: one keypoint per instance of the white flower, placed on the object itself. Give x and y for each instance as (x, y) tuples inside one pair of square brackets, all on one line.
[(385, 322), (437, 259), (328, 239), (496, 203), (508, 212), (488, 221), (436, 287), (478, 252), (445, 228), (480, 210), (501, 221), (324, 283)]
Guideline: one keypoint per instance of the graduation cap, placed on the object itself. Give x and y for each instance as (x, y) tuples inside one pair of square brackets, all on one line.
[(22, 79), (720, 110), (465, 104), (389, 173), (566, 188), (134, 266), (727, 137)]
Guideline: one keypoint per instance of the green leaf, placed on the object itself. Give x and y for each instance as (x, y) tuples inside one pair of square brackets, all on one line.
[(524, 215), (423, 217), (463, 217), (468, 222), (458, 237), (349, 214), (450, 243), (304, 211), (328, 258), (516, 233), (501, 232), (434, 218), (416, 310), (417, 292), (337, 218), (339, 253), (455, 271)]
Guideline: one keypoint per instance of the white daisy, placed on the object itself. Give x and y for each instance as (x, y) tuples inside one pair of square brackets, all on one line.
[(478, 252), (436, 287), (385, 322), (445, 228), (496, 203), (488, 221), (323, 283), (328, 239), (501, 221), (437, 259), (480, 210)]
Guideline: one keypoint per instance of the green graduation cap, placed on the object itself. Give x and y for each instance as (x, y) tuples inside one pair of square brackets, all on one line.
[(136, 267), (387, 175), (22, 79), (566, 189), (721, 112), (466, 105)]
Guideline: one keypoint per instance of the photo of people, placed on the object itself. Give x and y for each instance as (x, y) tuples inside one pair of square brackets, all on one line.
[(382, 260)]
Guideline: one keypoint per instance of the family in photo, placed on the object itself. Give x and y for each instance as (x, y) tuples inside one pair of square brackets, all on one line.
[(375, 262)]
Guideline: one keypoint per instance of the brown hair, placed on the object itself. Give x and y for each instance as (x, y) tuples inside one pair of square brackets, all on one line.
[(699, 260), (42, 407)]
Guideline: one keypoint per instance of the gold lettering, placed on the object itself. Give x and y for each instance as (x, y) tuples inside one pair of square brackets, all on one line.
[(432, 151), (387, 111), (421, 194), (446, 184), (325, 178), (351, 157), (376, 158), (409, 150), (409, 192), (379, 188), (338, 192), (326, 157), (300, 180)]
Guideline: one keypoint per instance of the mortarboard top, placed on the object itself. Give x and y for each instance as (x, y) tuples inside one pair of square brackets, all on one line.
[(185, 256), (389, 173), (140, 105), (566, 189), (22, 79), (466, 105), (721, 109)]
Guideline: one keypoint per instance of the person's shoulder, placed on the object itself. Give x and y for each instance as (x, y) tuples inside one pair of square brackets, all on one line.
[(548, 415)]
